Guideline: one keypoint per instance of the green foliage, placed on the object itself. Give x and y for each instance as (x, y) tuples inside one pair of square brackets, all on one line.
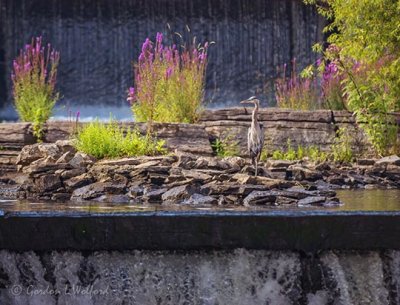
[(341, 149), (291, 154), (316, 155), (169, 82), (313, 153), (226, 146), (365, 35), (112, 141), (34, 77)]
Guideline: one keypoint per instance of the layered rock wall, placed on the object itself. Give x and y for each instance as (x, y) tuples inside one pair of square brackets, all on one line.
[(305, 128)]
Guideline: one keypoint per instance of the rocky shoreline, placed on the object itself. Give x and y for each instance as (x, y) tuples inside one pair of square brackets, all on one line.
[(57, 172)]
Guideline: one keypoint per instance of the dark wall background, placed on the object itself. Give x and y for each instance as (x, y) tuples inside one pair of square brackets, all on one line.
[(99, 39)]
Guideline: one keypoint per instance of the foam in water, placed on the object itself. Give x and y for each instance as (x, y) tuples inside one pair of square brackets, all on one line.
[(198, 277)]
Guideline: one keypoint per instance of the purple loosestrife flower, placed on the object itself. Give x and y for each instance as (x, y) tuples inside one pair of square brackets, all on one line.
[(131, 95), (168, 73)]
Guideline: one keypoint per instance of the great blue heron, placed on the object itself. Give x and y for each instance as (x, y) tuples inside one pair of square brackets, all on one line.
[(255, 137)]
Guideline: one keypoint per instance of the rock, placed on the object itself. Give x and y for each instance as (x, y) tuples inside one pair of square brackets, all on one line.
[(28, 154), (220, 188), (326, 193), (44, 168), (135, 192), (279, 163), (98, 189), (61, 196), (280, 173), (159, 160), (65, 158), (302, 173), (109, 198), (66, 146), (50, 150), (78, 181), (201, 200), (280, 200), (259, 198), (81, 160), (196, 176), (324, 166), (259, 180), (47, 183), (154, 196), (246, 189), (312, 200), (237, 162), (147, 165), (393, 172), (244, 178), (298, 193), (394, 160), (178, 193), (185, 160), (11, 191), (67, 174), (336, 179), (366, 162)]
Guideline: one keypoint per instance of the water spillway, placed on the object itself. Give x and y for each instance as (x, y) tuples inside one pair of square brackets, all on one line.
[(236, 277), (99, 39), (104, 254)]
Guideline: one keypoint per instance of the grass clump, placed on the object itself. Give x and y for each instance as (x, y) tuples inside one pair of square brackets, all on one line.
[(34, 78), (226, 146), (313, 153), (112, 141)]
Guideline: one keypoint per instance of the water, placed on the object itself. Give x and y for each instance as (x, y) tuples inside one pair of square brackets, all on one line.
[(205, 276), (370, 200), (353, 200), (99, 39)]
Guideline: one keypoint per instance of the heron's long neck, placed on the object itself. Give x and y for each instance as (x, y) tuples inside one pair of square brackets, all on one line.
[(255, 115)]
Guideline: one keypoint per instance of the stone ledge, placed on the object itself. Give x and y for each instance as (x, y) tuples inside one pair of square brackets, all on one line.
[(308, 231)]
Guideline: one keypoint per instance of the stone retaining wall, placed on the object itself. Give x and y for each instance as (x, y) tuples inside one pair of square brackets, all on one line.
[(303, 128)]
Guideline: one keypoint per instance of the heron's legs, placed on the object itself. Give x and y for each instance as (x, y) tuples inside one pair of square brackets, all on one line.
[(256, 167)]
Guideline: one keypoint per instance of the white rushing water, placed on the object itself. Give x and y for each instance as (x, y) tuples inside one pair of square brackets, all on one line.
[(214, 277)]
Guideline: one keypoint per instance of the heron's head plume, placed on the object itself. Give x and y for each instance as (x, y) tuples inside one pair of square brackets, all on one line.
[(251, 100)]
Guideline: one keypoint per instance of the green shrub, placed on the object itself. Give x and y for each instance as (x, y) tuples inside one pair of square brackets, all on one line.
[(316, 155), (34, 78), (226, 146), (112, 141), (364, 39), (341, 149)]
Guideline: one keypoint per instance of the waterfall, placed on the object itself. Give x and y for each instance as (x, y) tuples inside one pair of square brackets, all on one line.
[(99, 40), (199, 277)]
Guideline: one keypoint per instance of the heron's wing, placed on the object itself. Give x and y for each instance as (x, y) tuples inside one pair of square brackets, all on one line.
[(249, 141)]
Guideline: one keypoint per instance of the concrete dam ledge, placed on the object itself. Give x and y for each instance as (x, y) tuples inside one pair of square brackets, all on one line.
[(309, 231)]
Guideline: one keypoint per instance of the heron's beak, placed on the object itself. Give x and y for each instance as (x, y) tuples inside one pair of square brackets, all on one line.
[(246, 102)]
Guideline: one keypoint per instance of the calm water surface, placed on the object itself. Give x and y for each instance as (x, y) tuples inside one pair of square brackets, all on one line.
[(354, 200)]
